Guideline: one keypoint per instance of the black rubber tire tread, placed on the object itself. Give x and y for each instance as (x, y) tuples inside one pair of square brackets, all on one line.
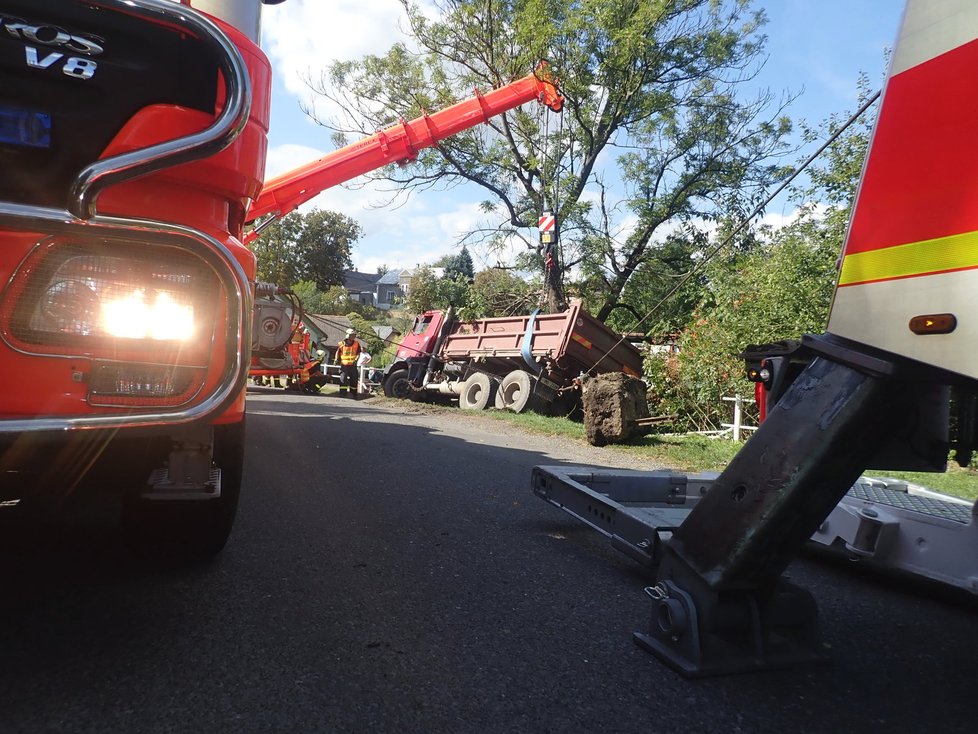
[(478, 392), (397, 385), (515, 392)]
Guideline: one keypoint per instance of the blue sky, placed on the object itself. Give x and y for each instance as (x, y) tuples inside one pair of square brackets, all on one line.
[(817, 47)]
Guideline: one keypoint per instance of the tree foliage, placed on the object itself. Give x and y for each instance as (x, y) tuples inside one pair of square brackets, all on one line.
[(312, 247), (428, 291), (459, 266), (781, 288), (491, 292), (334, 300), (653, 133), (498, 292)]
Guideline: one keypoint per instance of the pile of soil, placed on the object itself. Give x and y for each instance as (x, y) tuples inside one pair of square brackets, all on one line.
[(613, 403)]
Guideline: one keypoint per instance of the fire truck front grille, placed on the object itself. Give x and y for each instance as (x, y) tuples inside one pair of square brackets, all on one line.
[(73, 75)]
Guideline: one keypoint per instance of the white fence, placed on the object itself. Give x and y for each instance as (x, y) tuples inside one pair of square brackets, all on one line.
[(735, 430), (737, 427)]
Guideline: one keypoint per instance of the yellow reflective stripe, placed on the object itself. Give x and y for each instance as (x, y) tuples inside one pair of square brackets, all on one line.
[(957, 252), (581, 340)]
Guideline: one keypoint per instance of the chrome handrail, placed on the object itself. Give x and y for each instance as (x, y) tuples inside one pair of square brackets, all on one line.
[(221, 133)]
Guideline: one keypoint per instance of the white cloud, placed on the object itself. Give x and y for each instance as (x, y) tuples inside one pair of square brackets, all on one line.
[(302, 37), (284, 158)]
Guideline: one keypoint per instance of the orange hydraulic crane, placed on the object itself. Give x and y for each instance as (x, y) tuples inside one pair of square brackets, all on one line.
[(398, 143)]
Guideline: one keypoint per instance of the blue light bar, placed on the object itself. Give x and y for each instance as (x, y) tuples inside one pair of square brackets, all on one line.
[(28, 128)]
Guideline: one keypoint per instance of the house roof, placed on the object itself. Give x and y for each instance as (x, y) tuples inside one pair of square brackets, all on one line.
[(327, 327), (387, 333), (331, 328), (354, 281)]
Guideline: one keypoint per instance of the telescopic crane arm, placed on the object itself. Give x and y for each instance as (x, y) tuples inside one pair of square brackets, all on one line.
[(398, 143)]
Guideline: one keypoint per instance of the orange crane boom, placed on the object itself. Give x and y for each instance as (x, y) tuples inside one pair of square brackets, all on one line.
[(397, 144)]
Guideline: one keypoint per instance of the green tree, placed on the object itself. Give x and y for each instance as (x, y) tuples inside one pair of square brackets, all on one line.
[(313, 299), (650, 92), (498, 292), (459, 266), (780, 288), (660, 297), (421, 294), (314, 247), (337, 300), (427, 291), (276, 253)]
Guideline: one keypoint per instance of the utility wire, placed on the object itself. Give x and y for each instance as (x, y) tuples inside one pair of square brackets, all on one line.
[(744, 222)]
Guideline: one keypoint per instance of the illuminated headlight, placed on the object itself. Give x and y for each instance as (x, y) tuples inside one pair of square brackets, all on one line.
[(136, 315), (76, 296)]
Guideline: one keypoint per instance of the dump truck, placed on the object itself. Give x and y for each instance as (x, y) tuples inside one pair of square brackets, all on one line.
[(511, 362), (877, 390)]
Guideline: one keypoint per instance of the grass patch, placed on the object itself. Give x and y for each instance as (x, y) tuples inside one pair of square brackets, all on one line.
[(693, 453), (542, 424), (689, 453)]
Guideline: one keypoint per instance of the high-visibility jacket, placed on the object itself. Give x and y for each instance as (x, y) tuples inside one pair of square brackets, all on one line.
[(347, 353)]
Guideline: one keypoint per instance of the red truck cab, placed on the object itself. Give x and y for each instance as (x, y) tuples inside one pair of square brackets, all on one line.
[(419, 342)]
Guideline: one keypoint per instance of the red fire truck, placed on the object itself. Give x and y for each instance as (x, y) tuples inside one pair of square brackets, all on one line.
[(133, 137), (133, 141)]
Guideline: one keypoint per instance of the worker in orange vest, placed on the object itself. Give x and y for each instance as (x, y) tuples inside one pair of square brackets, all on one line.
[(347, 354)]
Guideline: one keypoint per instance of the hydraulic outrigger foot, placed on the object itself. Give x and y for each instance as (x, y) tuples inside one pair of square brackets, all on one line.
[(714, 633), (720, 604)]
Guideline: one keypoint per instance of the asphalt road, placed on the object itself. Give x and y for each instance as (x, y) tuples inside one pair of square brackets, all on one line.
[(393, 572)]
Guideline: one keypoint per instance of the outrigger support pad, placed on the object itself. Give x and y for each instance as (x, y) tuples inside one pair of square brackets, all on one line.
[(732, 632)]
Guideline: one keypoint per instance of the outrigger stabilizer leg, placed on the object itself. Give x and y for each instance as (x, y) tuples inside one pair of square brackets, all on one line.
[(720, 604)]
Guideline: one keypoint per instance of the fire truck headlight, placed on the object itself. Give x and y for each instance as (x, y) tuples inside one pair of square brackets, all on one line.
[(77, 295), (71, 305), (137, 315)]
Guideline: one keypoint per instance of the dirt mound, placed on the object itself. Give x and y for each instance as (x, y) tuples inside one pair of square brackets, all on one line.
[(613, 402)]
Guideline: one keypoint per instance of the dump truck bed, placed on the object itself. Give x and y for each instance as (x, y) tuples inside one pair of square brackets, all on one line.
[(575, 341)]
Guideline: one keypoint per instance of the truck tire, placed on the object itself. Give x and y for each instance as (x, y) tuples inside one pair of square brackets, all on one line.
[(189, 530), (397, 385), (515, 392), (478, 391)]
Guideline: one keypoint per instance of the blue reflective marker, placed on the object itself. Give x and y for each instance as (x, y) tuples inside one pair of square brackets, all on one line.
[(28, 128)]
